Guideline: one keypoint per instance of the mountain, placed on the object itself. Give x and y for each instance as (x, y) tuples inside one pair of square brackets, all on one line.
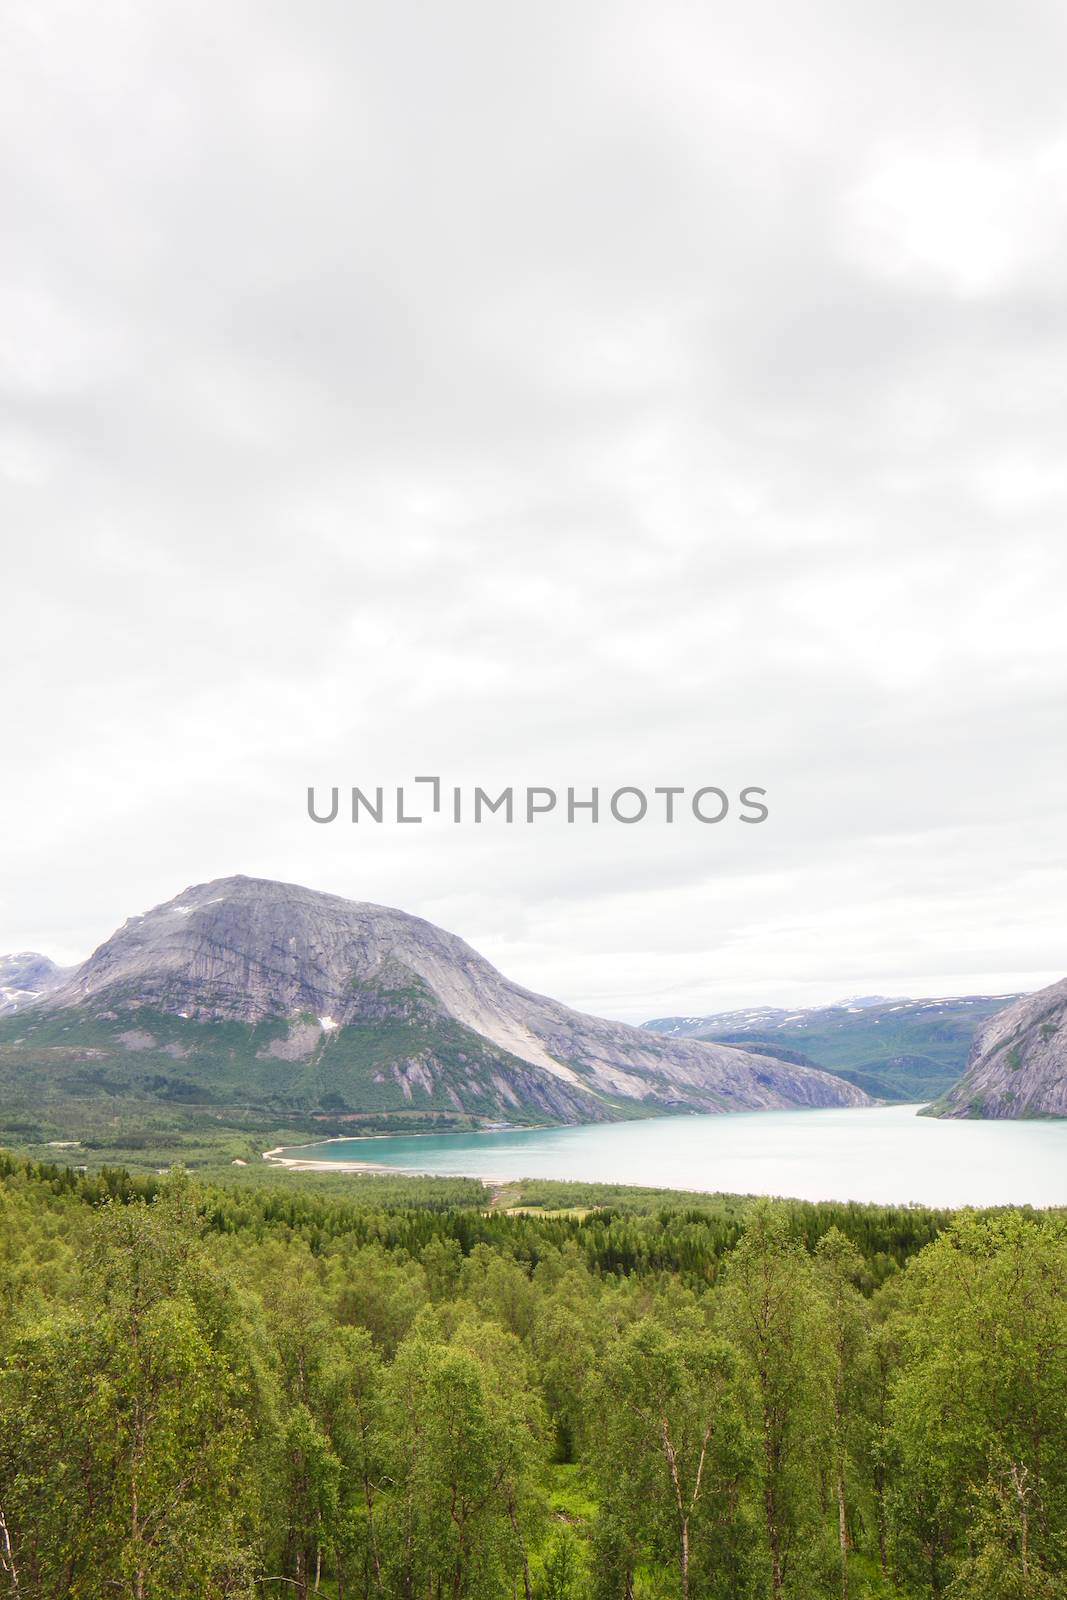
[(895, 1049), (27, 977), (280, 1001), (1018, 1062)]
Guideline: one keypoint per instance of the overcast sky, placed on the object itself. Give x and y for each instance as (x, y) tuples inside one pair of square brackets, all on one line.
[(549, 393)]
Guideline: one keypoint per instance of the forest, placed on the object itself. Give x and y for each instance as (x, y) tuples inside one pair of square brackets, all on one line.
[(405, 1389)]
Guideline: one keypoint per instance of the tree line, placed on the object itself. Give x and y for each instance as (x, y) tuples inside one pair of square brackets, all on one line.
[(214, 1390)]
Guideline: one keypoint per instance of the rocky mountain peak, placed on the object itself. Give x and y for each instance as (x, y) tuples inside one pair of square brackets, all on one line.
[(25, 977), (332, 977)]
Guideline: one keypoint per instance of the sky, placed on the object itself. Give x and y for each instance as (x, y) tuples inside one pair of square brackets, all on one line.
[(556, 394)]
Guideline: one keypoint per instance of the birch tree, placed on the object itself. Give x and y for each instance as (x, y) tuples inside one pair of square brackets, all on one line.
[(771, 1309), (838, 1266), (676, 1456)]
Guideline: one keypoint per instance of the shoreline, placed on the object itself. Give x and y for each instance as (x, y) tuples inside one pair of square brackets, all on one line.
[(882, 1155), (374, 1168), (280, 1157), (279, 1154)]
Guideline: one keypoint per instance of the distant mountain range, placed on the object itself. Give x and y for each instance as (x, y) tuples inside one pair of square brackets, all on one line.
[(261, 998), (1018, 1062), (27, 977), (894, 1049)]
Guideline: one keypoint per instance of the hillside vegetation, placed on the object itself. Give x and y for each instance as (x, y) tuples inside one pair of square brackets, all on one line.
[(895, 1050), (257, 1004), (399, 1389)]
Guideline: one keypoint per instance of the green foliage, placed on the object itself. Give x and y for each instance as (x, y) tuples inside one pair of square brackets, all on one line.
[(563, 1569), (980, 1407), (771, 1309), (152, 1071), (393, 1389), (131, 1420), (462, 1444), (675, 1453), (895, 1050)]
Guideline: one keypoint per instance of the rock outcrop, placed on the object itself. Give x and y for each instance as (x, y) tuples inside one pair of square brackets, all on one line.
[(365, 1006), (1018, 1063)]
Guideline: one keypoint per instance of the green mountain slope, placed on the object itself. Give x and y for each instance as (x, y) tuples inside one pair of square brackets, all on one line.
[(264, 1004), (894, 1049)]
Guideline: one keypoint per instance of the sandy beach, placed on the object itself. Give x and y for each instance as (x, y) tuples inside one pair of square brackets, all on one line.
[(300, 1164)]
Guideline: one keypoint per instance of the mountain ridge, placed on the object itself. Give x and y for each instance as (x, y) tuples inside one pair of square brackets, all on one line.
[(292, 999), (1018, 1062), (25, 977), (895, 1047)]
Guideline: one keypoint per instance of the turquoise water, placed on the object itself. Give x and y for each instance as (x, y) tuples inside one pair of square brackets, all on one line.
[(886, 1154)]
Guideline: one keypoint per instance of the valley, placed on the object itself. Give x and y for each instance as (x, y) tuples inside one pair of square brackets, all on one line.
[(899, 1049), (246, 1005), (247, 1014)]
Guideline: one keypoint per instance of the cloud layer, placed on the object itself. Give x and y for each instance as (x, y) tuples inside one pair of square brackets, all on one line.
[(544, 394)]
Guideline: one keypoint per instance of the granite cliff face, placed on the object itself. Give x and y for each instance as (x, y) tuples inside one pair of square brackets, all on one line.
[(268, 990), (1018, 1063)]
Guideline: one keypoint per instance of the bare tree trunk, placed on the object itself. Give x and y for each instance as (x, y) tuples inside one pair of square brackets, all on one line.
[(842, 1527), (685, 1559), (372, 1532), (879, 1493), (7, 1556), (135, 1531), (774, 1539), (683, 1512), (1018, 1479), (777, 1574)]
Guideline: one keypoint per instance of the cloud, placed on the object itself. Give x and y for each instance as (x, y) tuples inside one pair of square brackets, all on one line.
[(556, 395), (977, 219)]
